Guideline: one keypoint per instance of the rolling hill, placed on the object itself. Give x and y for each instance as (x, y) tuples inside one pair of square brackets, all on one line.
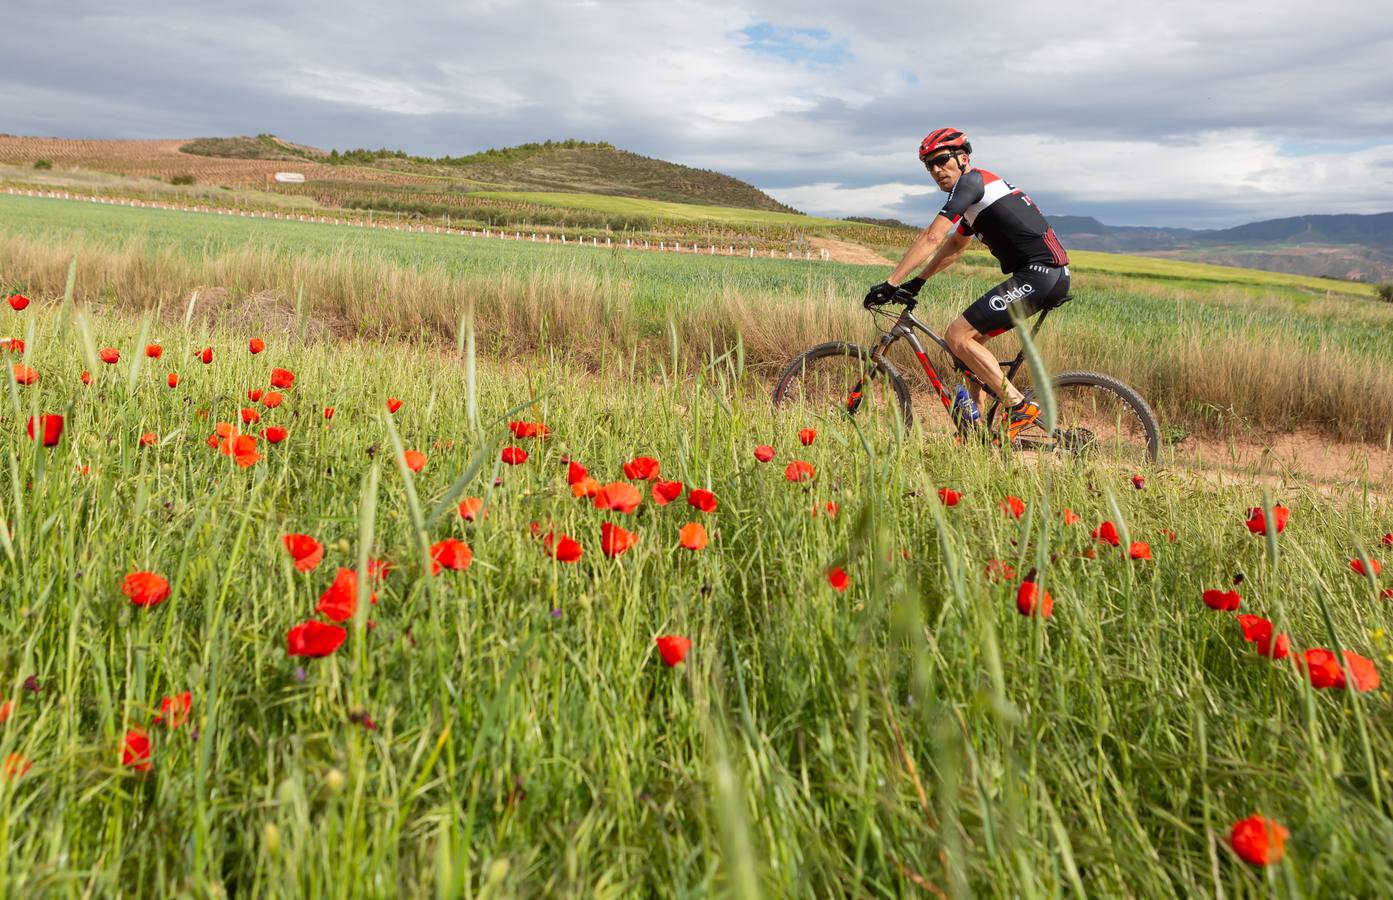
[(1352, 247)]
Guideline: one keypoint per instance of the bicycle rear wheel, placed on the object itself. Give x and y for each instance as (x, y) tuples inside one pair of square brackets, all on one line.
[(1098, 417), (839, 379)]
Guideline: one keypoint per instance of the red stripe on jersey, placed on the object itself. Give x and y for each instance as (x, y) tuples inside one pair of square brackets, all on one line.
[(987, 177), (1060, 258)]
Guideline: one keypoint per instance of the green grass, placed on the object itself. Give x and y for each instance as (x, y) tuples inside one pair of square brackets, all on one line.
[(680, 212), (1194, 273), (529, 741), (1258, 351)]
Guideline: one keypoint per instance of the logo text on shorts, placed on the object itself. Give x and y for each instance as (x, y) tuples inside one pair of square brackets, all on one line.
[(998, 301)]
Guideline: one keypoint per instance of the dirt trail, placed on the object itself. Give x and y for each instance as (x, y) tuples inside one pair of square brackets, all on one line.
[(847, 252), (1299, 456)]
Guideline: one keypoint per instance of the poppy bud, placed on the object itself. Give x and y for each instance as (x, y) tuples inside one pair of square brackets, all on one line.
[(334, 781), (271, 838)]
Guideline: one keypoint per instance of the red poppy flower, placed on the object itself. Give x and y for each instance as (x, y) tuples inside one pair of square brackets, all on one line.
[(284, 379), (241, 447), (172, 379), (807, 436), (305, 550), (328, 412), (999, 570), (1224, 601), (135, 750), (154, 351), (799, 471), (1324, 671), (1167, 534), (393, 404), (1139, 550), (379, 569), (50, 428), (1388, 540), (1375, 567), (174, 711), (149, 439), (615, 540), (450, 554), (830, 507), (672, 648), (1138, 482), (109, 355), (206, 355), (514, 456), (470, 508), (254, 394), (274, 434), (1032, 601), (1257, 520), (415, 460), (703, 500), (24, 374), (949, 496), (1070, 517), (564, 548), (693, 536), (1258, 841), (272, 399), (764, 453), (18, 302), (1013, 506), (5, 709), (619, 496), (256, 345), (15, 766), (586, 487), (836, 576), (340, 601), (14, 345), (575, 472), (250, 416), (529, 430), (664, 492), (86, 377), (1258, 631), (1107, 534), (145, 588), (641, 468), (1386, 593), (314, 638)]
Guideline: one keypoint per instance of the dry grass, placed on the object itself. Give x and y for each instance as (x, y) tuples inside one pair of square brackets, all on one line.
[(1196, 378)]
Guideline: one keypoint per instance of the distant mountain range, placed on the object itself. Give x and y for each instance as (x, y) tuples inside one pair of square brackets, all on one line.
[(1351, 247)]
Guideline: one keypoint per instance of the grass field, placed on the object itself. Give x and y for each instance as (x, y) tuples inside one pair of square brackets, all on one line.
[(510, 729), (657, 209), (1208, 354)]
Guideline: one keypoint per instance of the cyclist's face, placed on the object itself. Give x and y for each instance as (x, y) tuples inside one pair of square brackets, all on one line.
[(946, 169)]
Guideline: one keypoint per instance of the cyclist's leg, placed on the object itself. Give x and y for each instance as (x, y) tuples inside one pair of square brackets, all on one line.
[(1031, 289)]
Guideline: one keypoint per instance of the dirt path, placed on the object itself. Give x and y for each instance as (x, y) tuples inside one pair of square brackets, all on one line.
[(847, 252), (1300, 456)]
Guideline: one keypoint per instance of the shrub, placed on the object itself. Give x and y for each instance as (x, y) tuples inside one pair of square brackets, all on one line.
[(1385, 292), (43, 164), (181, 179)]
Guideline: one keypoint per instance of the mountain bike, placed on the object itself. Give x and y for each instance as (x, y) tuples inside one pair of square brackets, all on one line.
[(1096, 415)]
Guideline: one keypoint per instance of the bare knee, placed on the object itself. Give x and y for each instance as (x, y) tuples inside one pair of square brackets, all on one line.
[(961, 335)]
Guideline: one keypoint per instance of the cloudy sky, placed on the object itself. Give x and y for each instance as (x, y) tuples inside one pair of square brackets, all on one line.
[(1167, 112)]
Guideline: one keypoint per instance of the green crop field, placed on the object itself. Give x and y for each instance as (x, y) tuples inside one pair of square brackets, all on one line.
[(657, 209), (518, 723), (1210, 347)]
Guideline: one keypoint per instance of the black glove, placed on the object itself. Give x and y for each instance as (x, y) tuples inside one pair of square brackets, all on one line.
[(913, 286), (879, 295)]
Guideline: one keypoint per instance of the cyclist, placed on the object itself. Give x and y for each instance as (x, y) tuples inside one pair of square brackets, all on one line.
[(1016, 233)]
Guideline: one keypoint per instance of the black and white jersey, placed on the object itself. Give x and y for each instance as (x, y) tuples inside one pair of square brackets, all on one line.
[(1005, 219)]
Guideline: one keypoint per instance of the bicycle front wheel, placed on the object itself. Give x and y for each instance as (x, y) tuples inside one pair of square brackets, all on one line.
[(1098, 417), (839, 379)]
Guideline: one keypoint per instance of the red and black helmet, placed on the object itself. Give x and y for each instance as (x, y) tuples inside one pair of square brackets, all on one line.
[(943, 139)]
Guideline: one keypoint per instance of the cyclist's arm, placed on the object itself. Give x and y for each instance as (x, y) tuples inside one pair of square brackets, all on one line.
[(952, 247), (930, 242)]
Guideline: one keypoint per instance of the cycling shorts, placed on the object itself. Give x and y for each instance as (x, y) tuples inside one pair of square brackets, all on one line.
[(1029, 290)]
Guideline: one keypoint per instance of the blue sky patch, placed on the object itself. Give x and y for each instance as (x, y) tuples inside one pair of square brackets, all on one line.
[(814, 46)]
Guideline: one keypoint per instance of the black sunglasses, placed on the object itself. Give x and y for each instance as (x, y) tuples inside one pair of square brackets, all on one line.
[(938, 161)]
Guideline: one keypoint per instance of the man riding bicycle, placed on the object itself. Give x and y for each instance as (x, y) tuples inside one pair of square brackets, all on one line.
[(1015, 232)]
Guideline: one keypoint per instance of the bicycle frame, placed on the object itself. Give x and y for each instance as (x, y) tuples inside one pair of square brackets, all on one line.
[(904, 328)]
